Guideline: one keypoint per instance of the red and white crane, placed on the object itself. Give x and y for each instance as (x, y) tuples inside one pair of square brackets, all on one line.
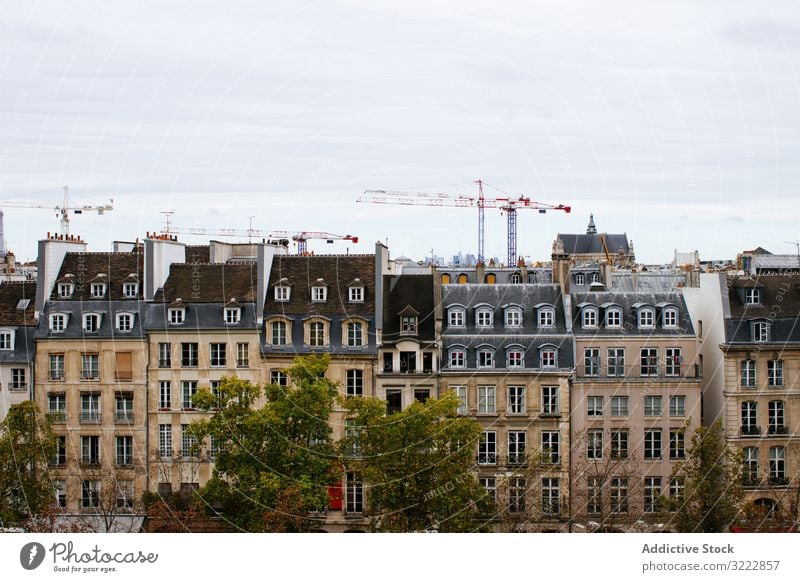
[(506, 204)]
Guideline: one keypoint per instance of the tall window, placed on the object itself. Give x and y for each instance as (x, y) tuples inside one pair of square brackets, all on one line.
[(61, 492), (90, 408), (18, 380), (748, 373), (595, 495), (242, 355), (591, 362), (749, 418), (594, 444), (164, 355), (165, 441), (550, 444), (619, 444), (619, 495), (90, 366), (487, 448), (516, 447), (165, 394), (652, 491), (619, 406), (652, 405), (124, 446), (516, 495), (90, 493), (775, 372), (316, 331), (751, 473), (677, 488), (355, 382), (189, 355), (580, 279), (516, 399), (594, 406), (355, 334), (90, 450), (486, 400), (56, 369), (354, 493), (489, 485), (188, 442), (777, 421), (677, 443), (461, 392), (57, 407), (672, 366), (219, 358), (189, 389), (648, 362), (677, 405), (760, 331), (549, 399), (124, 495), (616, 362), (777, 465), (60, 455), (551, 496), (123, 407), (652, 444)]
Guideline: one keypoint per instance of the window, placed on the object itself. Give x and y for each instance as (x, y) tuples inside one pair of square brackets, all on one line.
[(130, 290), (489, 485), (242, 355), (547, 317), (515, 279), (124, 447), (648, 362), (614, 318), (219, 356), (677, 405), (165, 441), (652, 491), (124, 322), (214, 385), (355, 334), (461, 392), (646, 318), (56, 369), (61, 492), (550, 442), (677, 444), (233, 315), (513, 317), (486, 400), (580, 279), (18, 379), (316, 331), (516, 358), (356, 294), (748, 373), (188, 389), (91, 322), (90, 494), (278, 329), (98, 289), (394, 401), (760, 332), (777, 465), (484, 317), (123, 366), (58, 322), (319, 293), (462, 279), (652, 444), (164, 355), (164, 394), (619, 495), (57, 407), (751, 472), (516, 399), (485, 359), (90, 450), (677, 488), (548, 358), (457, 358), (594, 277), (616, 361), (123, 407), (282, 293), (652, 405), (354, 493), (188, 442), (90, 366), (595, 495), (490, 279), (672, 365), (176, 315), (60, 455), (6, 340), (591, 362), (619, 444), (516, 447), (549, 399), (355, 382), (775, 372), (619, 406), (669, 318), (278, 378), (487, 448), (189, 355), (408, 362), (589, 317), (516, 495), (777, 421), (124, 494), (65, 290), (752, 296), (213, 448), (551, 496), (749, 418), (594, 444), (595, 406), (455, 318)]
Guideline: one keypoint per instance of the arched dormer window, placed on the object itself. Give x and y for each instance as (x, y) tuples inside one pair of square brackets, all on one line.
[(457, 357), (485, 357), (548, 356), (484, 316), (545, 315), (645, 316), (613, 315), (580, 279), (589, 315), (516, 278), (462, 279), (456, 316), (513, 316), (515, 356), (760, 331), (446, 279), (490, 279)]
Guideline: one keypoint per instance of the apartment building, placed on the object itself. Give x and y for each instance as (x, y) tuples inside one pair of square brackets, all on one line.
[(762, 392), (508, 354), (17, 329)]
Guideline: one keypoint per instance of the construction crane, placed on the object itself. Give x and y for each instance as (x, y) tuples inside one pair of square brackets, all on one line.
[(506, 204), (62, 211), (301, 237)]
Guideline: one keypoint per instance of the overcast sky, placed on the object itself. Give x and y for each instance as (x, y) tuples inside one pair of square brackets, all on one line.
[(676, 122)]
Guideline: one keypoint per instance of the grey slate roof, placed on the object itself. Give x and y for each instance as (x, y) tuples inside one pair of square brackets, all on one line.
[(780, 306), (409, 290), (23, 352), (199, 316), (76, 310), (575, 244), (627, 301)]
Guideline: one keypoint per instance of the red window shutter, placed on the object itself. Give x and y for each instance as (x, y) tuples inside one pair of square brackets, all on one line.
[(335, 496)]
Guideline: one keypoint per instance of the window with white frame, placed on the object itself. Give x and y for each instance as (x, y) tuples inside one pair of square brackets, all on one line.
[(777, 465), (760, 331), (669, 317), (319, 293), (164, 394), (775, 372), (652, 444), (516, 399), (677, 444), (56, 368), (90, 493), (776, 417), (619, 444), (591, 362), (589, 317), (648, 362), (614, 317), (355, 334), (60, 486), (165, 441), (677, 405), (455, 317), (548, 358), (752, 296), (218, 353), (580, 279), (516, 358), (516, 447), (188, 442), (6, 340), (672, 364), (550, 446), (749, 418), (278, 377), (124, 450), (646, 317), (619, 495), (751, 472), (458, 358), (124, 321), (595, 494), (619, 406), (677, 489), (594, 444), (487, 448), (594, 278), (513, 317), (90, 366), (515, 278), (652, 405), (242, 355), (354, 383), (58, 322), (486, 400), (652, 491), (461, 392), (594, 406), (189, 389), (278, 333), (98, 290), (176, 315), (130, 290), (550, 400), (356, 294), (551, 496), (282, 293), (485, 358), (354, 493), (616, 362), (91, 322), (65, 290), (547, 317), (316, 334), (748, 373), (484, 317), (233, 315), (408, 324), (489, 485)]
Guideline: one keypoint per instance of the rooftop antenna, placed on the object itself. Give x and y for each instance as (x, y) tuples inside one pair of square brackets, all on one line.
[(167, 216), (796, 244), (250, 230)]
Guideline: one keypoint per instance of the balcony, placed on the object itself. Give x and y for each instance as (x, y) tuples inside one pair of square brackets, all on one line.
[(17, 386), (56, 376), (775, 429), (90, 416), (748, 430), (123, 417)]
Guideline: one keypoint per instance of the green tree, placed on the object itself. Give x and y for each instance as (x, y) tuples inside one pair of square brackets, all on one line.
[(418, 464), (27, 444), (274, 462), (712, 475)]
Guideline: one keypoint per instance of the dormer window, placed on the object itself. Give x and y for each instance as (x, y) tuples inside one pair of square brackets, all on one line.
[(65, 290), (356, 294), (124, 321), (6, 339), (98, 290), (614, 317), (760, 331), (589, 317), (752, 296), (91, 322), (176, 315), (485, 358), (547, 317), (490, 279), (484, 317), (283, 293), (458, 357), (513, 317), (130, 290), (58, 322), (595, 277), (548, 357), (233, 315), (515, 279), (319, 293), (580, 279), (669, 317), (455, 317), (408, 324), (647, 318)]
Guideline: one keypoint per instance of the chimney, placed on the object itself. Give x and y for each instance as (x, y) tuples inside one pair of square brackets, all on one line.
[(48, 263), (479, 269), (523, 269), (159, 255)]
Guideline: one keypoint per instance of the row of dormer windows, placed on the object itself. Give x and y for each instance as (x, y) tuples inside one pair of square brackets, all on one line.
[(486, 357), (124, 321), (512, 316), (98, 290), (319, 293)]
